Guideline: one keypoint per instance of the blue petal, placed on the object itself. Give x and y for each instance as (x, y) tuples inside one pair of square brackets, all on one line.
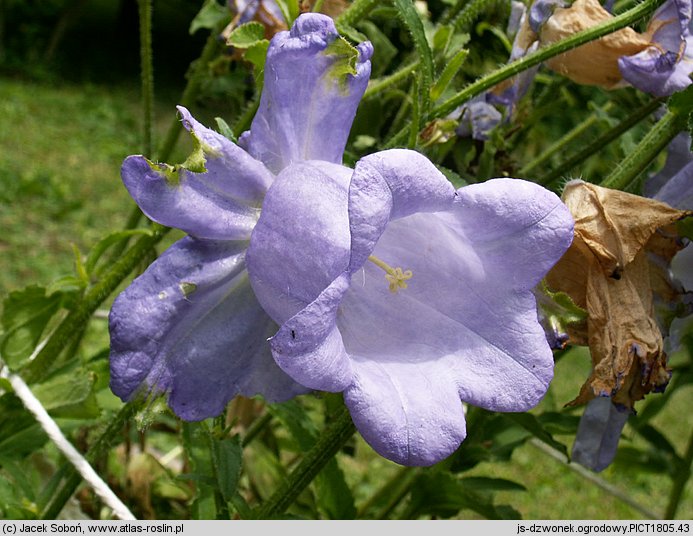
[(307, 104), (191, 327)]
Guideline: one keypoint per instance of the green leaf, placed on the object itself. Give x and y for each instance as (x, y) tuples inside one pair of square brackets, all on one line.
[(257, 54), (481, 483), (681, 103), (195, 443), (530, 423), (102, 245), (441, 494), (210, 17), (20, 435), (290, 9), (246, 35), (224, 129), (449, 72), (410, 17), (69, 393), (25, 315), (227, 455)]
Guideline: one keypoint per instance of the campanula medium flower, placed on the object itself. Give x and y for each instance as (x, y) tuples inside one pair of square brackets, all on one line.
[(190, 326), (389, 285), (407, 295)]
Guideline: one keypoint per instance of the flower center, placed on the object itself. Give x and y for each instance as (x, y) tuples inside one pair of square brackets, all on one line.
[(395, 276)]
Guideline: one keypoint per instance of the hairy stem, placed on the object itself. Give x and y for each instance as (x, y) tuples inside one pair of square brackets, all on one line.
[(332, 439), (147, 74), (646, 151)]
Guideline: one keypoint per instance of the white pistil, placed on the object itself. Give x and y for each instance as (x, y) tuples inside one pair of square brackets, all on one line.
[(395, 276)]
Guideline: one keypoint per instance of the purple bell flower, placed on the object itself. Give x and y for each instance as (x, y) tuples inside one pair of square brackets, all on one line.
[(407, 295), (664, 67), (388, 284), (190, 325)]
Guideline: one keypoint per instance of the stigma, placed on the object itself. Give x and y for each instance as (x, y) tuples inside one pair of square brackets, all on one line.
[(396, 277)]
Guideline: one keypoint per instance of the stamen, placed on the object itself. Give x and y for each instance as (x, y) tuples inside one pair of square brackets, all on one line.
[(395, 276)]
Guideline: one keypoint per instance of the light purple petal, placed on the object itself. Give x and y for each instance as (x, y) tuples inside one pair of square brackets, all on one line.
[(387, 185), (541, 11), (230, 170), (465, 328), (678, 155), (309, 346), (301, 241), (307, 107), (478, 119), (657, 73), (678, 190), (596, 441), (665, 67), (221, 203), (405, 412), (191, 327)]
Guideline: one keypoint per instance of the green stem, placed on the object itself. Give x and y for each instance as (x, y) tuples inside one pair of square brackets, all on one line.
[(70, 326), (58, 500), (256, 428), (601, 141), (680, 482), (646, 151), (356, 11), (147, 73), (380, 84), (414, 129), (317, 6), (193, 86), (564, 141), (508, 71), (322, 452)]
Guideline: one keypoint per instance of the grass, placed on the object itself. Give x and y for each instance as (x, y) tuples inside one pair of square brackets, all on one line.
[(62, 147)]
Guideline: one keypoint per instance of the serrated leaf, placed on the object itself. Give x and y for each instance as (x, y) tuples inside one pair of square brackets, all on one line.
[(410, 17), (25, 315), (210, 16), (227, 455), (69, 393), (346, 57), (246, 35), (256, 55)]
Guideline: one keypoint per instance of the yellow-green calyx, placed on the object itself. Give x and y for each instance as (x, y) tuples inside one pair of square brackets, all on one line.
[(395, 276), (195, 162)]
